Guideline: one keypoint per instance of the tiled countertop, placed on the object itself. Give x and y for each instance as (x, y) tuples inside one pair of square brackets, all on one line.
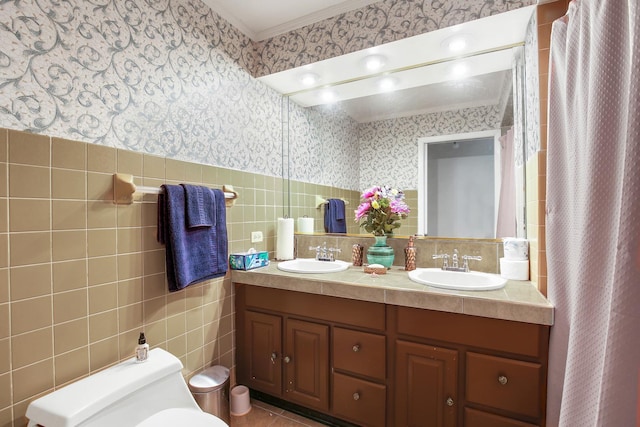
[(518, 300)]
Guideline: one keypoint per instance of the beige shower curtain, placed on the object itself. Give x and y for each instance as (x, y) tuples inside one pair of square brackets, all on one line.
[(593, 215)]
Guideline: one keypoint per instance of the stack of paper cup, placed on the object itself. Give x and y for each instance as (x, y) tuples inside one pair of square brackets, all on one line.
[(305, 225), (515, 264)]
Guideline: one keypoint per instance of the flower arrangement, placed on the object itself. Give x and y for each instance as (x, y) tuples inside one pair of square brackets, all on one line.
[(381, 210)]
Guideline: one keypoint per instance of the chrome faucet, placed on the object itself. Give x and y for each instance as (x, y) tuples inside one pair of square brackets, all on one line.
[(455, 266), (323, 253)]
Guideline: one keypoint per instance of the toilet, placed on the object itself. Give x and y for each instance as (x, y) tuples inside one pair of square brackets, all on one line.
[(151, 393)]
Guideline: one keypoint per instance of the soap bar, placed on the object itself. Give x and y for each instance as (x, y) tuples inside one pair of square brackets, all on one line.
[(375, 268)]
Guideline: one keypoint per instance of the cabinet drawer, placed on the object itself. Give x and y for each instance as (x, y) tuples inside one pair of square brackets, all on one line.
[(508, 336), (359, 352), (502, 383), (474, 418), (360, 401)]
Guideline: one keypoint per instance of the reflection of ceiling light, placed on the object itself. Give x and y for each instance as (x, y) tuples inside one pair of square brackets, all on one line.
[(374, 62), (456, 43), (309, 79), (387, 83), (459, 70), (328, 95)]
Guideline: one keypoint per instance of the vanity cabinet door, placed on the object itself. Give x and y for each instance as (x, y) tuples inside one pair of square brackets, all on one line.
[(306, 364), (426, 385), (262, 368)]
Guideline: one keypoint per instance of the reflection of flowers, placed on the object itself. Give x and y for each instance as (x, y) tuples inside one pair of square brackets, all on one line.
[(381, 208)]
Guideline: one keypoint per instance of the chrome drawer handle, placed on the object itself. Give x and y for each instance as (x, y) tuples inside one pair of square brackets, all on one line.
[(356, 396), (502, 379), (356, 348), (449, 401)]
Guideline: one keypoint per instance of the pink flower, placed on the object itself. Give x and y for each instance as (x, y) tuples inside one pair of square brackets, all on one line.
[(398, 206), (362, 210), (371, 192), (382, 208)]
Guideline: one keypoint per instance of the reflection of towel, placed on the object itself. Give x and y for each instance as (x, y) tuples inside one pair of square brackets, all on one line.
[(334, 217), (200, 203), (192, 254)]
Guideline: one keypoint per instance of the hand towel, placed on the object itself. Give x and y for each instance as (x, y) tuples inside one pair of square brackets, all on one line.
[(334, 217), (199, 202), (192, 254)]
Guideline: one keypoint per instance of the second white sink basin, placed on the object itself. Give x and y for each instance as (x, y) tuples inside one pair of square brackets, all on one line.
[(462, 281), (312, 265)]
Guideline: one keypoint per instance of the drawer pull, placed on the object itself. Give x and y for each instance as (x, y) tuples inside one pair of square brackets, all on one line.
[(503, 380), (356, 348), (356, 396), (287, 359), (449, 401)]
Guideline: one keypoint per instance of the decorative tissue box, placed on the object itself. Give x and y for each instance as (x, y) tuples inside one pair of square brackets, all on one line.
[(248, 260)]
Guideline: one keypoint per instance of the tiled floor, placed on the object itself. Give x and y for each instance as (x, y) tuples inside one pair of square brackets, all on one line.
[(263, 415)]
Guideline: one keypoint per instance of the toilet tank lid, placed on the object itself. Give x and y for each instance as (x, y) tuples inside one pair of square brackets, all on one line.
[(72, 404), (210, 379)]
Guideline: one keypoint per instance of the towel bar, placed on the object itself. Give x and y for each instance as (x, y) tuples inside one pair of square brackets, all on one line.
[(124, 189), (322, 201)]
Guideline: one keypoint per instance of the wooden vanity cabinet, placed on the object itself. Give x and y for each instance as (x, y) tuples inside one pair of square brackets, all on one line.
[(288, 358), (501, 368), (320, 352), (378, 365)]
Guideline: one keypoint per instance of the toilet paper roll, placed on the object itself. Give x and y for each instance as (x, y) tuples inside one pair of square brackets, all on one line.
[(305, 225), (516, 249), (514, 269), (284, 239)]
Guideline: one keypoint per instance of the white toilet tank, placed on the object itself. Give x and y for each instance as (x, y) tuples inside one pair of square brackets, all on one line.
[(126, 394)]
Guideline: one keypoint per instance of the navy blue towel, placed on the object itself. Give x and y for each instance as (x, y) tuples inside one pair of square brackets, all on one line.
[(192, 254), (200, 202), (334, 217)]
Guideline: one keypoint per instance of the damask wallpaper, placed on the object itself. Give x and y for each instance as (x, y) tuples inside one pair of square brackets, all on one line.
[(324, 144), (532, 93), (166, 77), (170, 77), (389, 148), (375, 24)]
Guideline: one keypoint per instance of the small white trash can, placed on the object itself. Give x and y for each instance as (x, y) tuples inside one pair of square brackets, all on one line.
[(210, 389)]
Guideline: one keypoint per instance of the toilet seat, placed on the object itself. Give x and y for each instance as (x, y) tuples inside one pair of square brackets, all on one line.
[(181, 417)]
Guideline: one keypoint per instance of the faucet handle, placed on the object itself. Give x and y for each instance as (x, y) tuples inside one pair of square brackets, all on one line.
[(466, 259), (444, 257)]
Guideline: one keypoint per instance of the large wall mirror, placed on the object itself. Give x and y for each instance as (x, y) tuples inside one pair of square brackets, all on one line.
[(441, 117)]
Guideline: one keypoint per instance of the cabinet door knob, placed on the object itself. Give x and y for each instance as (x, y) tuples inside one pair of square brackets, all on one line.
[(356, 348), (502, 379), (273, 358), (287, 359), (449, 401), (356, 396)]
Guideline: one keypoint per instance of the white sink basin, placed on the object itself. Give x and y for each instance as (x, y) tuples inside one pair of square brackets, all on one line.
[(462, 281), (312, 265)]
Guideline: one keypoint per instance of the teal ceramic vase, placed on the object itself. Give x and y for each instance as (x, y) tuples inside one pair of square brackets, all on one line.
[(380, 252)]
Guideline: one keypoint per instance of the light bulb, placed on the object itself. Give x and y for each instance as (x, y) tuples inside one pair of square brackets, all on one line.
[(374, 62)]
